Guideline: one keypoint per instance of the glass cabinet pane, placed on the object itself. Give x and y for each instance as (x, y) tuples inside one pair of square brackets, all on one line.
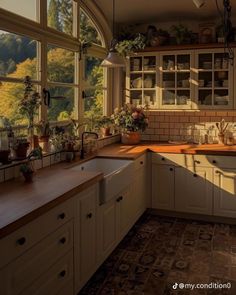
[(149, 63), (135, 64), (136, 81), (183, 62), (168, 97), (205, 97), (221, 97), (168, 62), (136, 97), (205, 61), (183, 80), (149, 81), (150, 97)]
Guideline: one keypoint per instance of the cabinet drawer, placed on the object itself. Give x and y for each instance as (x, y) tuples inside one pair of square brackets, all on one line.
[(32, 264), (222, 161), (140, 162), (25, 237), (170, 159), (58, 280)]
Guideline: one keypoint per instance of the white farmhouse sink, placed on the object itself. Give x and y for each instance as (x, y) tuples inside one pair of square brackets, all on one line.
[(116, 173)]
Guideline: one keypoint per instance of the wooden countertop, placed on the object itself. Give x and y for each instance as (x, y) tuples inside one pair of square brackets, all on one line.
[(132, 152), (22, 202)]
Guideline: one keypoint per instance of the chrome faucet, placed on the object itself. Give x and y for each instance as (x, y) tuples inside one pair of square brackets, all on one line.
[(82, 152)]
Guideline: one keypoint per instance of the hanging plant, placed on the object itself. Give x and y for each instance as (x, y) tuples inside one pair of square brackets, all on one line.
[(128, 46)]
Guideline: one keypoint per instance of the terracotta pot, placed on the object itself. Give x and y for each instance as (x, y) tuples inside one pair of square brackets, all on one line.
[(130, 138), (105, 131), (44, 143), (28, 176)]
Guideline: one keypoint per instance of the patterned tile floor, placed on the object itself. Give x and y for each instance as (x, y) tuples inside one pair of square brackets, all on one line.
[(160, 251)]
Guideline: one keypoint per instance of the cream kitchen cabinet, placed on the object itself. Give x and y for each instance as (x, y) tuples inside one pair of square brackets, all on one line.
[(193, 190), (86, 235), (181, 79), (163, 186), (225, 192), (34, 249), (177, 185), (115, 218)]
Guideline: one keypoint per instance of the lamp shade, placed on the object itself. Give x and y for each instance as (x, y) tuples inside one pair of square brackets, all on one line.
[(113, 60)]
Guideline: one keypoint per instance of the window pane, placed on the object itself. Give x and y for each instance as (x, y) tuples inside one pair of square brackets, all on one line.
[(60, 15), (88, 31), (10, 96), (23, 8), (94, 87), (62, 103), (18, 56), (61, 65)]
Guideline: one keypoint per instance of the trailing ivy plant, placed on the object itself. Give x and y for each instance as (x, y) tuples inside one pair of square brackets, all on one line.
[(128, 46)]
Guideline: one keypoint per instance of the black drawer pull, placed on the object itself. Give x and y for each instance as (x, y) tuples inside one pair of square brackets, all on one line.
[(89, 215), (214, 162), (171, 169), (194, 175), (21, 241), (119, 199), (62, 216), (62, 273), (163, 159), (63, 240), (141, 163), (197, 162)]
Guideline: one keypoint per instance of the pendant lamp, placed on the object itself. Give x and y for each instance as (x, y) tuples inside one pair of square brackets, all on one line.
[(113, 59)]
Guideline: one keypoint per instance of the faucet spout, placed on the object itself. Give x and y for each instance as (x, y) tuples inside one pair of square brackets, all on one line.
[(82, 151)]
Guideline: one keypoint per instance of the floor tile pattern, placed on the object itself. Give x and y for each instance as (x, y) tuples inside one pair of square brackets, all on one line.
[(161, 251)]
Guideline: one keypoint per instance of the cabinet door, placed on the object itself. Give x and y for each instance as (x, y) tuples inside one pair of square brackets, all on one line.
[(85, 231), (225, 192), (193, 190), (125, 212), (139, 192), (107, 228), (163, 186)]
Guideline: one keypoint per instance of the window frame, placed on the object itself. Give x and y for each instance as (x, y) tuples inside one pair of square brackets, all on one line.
[(40, 32)]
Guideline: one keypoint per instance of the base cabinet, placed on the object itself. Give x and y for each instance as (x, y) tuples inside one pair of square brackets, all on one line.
[(225, 192), (193, 190), (163, 182), (85, 236)]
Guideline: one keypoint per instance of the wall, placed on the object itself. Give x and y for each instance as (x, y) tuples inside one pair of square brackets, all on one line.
[(190, 126)]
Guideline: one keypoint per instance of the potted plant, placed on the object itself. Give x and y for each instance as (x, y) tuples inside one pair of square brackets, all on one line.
[(156, 37), (29, 105), (128, 46), (131, 120), (27, 168), (43, 129), (182, 34), (104, 123), (20, 147)]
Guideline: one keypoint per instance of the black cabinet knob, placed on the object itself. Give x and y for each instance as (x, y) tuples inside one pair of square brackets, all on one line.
[(62, 216), (21, 241), (141, 163), (63, 240), (62, 273), (194, 175), (171, 169), (119, 199), (214, 162), (163, 159), (89, 215)]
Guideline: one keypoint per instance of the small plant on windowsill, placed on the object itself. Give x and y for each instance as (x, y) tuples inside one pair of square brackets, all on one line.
[(104, 124), (27, 168)]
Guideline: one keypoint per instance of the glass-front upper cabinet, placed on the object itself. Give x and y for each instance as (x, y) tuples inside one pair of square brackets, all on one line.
[(142, 81), (175, 80), (214, 80)]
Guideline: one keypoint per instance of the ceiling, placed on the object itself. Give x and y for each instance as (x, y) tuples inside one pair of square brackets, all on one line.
[(149, 11)]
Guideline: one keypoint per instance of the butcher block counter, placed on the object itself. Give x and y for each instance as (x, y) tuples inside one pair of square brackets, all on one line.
[(20, 202), (132, 152)]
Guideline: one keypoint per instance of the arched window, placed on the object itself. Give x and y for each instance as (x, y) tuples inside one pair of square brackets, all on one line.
[(45, 40)]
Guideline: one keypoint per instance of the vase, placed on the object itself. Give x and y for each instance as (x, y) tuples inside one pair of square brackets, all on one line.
[(130, 137), (105, 131), (221, 138)]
